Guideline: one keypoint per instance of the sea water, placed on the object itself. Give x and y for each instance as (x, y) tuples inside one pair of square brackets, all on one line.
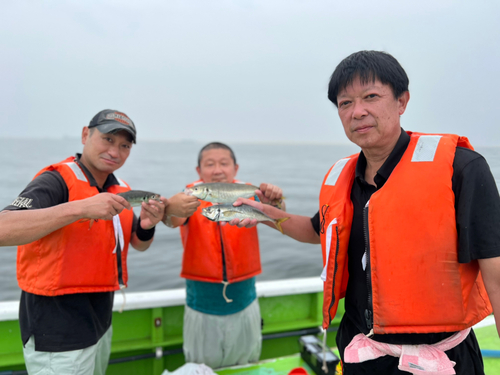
[(165, 168)]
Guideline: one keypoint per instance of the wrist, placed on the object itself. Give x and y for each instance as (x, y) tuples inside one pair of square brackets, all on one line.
[(144, 234)]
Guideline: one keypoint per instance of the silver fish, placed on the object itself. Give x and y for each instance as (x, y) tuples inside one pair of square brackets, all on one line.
[(221, 192), (228, 212), (136, 197)]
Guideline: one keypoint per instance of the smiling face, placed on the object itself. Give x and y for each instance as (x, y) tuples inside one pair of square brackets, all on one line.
[(370, 115), (217, 165), (104, 153)]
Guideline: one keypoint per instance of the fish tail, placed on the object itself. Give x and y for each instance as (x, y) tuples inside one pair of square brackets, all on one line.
[(278, 202), (278, 223)]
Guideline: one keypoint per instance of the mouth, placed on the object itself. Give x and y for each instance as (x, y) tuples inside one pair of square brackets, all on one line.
[(363, 129), (110, 161)]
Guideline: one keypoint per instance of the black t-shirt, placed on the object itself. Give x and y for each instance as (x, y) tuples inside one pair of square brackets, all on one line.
[(477, 206), (71, 321)]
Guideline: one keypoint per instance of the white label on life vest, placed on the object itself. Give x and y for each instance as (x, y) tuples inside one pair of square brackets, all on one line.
[(77, 171), (426, 148), (122, 183), (335, 172), (117, 225), (328, 244)]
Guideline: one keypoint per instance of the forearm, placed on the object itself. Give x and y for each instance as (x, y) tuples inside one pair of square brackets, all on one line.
[(138, 244), (297, 227), (173, 222), (490, 270), (25, 226)]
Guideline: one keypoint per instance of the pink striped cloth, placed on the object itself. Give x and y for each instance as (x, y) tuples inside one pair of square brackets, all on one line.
[(415, 359)]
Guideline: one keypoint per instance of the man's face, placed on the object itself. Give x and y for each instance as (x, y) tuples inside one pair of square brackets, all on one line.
[(370, 115), (216, 165), (104, 153)]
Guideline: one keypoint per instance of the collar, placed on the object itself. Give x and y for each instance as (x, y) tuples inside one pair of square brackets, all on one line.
[(385, 171), (110, 181)]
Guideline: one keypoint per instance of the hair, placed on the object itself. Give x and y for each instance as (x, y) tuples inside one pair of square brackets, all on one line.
[(368, 66), (216, 145)]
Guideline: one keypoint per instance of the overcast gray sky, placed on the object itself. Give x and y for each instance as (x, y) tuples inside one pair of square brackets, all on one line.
[(241, 70)]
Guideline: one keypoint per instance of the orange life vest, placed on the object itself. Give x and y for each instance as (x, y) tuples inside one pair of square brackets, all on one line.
[(76, 258), (417, 284), (208, 246)]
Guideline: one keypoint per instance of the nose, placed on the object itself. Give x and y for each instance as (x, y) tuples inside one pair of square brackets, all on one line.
[(358, 110), (114, 151)]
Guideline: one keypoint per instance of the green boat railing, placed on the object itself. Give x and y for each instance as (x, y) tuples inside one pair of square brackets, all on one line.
[(147, 334)]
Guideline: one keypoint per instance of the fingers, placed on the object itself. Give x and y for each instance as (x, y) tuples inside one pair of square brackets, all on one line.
[(182, 205), (151, 213), (249, 202), (270, 192), (122, 201), (245, 223)]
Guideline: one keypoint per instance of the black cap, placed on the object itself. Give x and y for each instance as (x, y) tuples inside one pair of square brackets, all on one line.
[(110, 121)]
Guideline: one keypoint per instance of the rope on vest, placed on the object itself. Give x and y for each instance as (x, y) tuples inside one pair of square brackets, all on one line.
[(224, 292), (124, 299), (324, 367)]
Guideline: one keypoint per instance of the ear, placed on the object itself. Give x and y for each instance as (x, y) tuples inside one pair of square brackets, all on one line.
[(85, 134), (403, 102), (199, 172), (236, 169)]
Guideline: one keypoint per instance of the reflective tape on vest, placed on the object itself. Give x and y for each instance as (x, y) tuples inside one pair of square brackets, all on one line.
[(77, 171), (119, 239), (328, 244), (426, 148), (122, 184), (336, 171)]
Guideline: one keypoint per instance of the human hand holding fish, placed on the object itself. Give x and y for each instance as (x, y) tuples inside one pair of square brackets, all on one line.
[(181, 205), (102, 206), (246, 213), (152, 212), (271, 194)]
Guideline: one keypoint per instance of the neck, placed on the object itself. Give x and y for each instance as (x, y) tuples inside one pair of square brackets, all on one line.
[(99, 177), (375, 159)]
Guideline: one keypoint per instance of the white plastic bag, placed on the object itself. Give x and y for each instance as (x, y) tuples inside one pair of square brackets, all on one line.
[(191, 369)]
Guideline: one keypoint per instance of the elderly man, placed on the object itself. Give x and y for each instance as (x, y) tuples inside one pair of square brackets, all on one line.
[(220, 264), (409, 232)]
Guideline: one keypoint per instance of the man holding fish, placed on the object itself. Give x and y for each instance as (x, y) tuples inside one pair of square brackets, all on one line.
[(73, 224), (222, 323), (409, 229)]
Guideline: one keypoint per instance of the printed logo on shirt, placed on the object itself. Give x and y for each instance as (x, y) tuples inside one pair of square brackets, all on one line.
[(22, 202)]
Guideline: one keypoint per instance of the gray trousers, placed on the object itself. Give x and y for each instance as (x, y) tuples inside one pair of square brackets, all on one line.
[(89, 361), (223, 340)]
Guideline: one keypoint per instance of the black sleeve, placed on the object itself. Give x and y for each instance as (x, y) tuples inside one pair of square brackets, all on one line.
[(477, 205), (315, 223), (47, 190)]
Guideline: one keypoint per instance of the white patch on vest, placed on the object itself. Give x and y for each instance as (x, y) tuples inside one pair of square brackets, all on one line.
[(335, 172), (328, 244), (121, 182), (117, 225), (426, 148), (363, 261), (77, 171)]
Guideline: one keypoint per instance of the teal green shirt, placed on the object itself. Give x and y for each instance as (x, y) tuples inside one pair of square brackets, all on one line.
[(207, 297)]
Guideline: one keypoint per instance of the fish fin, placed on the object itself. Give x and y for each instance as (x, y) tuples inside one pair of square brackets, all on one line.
[(278, 223), (277, 202), (91, 222)]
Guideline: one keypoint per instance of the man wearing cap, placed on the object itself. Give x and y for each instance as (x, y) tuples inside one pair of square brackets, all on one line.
[(72, 233)]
